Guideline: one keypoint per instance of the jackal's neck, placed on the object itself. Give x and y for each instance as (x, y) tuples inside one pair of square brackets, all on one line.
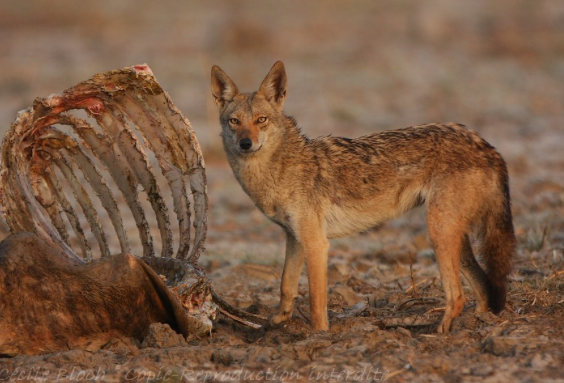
[(293, 136)]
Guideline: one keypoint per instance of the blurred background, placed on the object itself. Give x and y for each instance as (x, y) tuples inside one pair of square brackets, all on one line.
[(353, 68)]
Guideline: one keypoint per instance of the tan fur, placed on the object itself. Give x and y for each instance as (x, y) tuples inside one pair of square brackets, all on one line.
[(330, 187)]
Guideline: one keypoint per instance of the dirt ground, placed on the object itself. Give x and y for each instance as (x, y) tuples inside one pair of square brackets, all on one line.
[(353, 68)]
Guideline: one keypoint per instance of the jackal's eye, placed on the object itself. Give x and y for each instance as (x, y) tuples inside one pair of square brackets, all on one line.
[(261, 119), (234, 121)]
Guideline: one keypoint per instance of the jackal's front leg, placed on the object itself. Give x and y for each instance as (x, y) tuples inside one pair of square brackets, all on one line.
[(290, 278)]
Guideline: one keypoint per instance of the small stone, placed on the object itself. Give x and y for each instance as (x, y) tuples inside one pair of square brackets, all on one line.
[(160, 335), (502, 346), (541, 361), (378, 299), (121, 346), (348, 294), (363, 266), (481, 370), (337, 272), (228, 357), (404, 332)]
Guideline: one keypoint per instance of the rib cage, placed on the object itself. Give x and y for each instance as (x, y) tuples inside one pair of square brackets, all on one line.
[(37, 176)]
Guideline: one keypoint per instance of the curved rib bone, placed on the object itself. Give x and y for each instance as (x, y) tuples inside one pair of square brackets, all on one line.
[(62, 199), (166, 150), (195, 174), (106, 197), (85, 204), (109, 154), (120, 101)]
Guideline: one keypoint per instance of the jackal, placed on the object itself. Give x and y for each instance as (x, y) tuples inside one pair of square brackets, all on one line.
[(330, 187)]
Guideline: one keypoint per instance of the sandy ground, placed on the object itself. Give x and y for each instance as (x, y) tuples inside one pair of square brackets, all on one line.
[(497, 67)]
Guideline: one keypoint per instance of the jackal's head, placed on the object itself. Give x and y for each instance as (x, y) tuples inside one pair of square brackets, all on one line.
[(249, 120)]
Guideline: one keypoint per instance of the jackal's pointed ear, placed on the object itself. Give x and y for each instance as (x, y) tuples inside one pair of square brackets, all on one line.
[(273, 87), (223, 88)]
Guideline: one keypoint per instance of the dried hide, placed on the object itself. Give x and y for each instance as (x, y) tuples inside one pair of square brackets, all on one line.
[(50, 302)]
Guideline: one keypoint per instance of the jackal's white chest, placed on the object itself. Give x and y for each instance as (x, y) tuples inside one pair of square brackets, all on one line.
[(264, 190)]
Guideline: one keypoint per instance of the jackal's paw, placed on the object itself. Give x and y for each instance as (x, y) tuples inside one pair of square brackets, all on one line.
[(276, 320), (482, 307), (445, 325)]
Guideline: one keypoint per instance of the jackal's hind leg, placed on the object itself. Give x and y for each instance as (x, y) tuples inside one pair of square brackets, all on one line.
[(475, 275), (447, 242)]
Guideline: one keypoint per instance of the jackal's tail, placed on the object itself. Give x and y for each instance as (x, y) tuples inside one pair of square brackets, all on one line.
[(498, 242)]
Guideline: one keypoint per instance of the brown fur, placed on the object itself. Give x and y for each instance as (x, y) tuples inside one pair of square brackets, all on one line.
[(329, 187), (51, 303)]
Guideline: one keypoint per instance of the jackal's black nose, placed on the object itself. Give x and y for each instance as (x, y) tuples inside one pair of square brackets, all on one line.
[(246, 143)]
